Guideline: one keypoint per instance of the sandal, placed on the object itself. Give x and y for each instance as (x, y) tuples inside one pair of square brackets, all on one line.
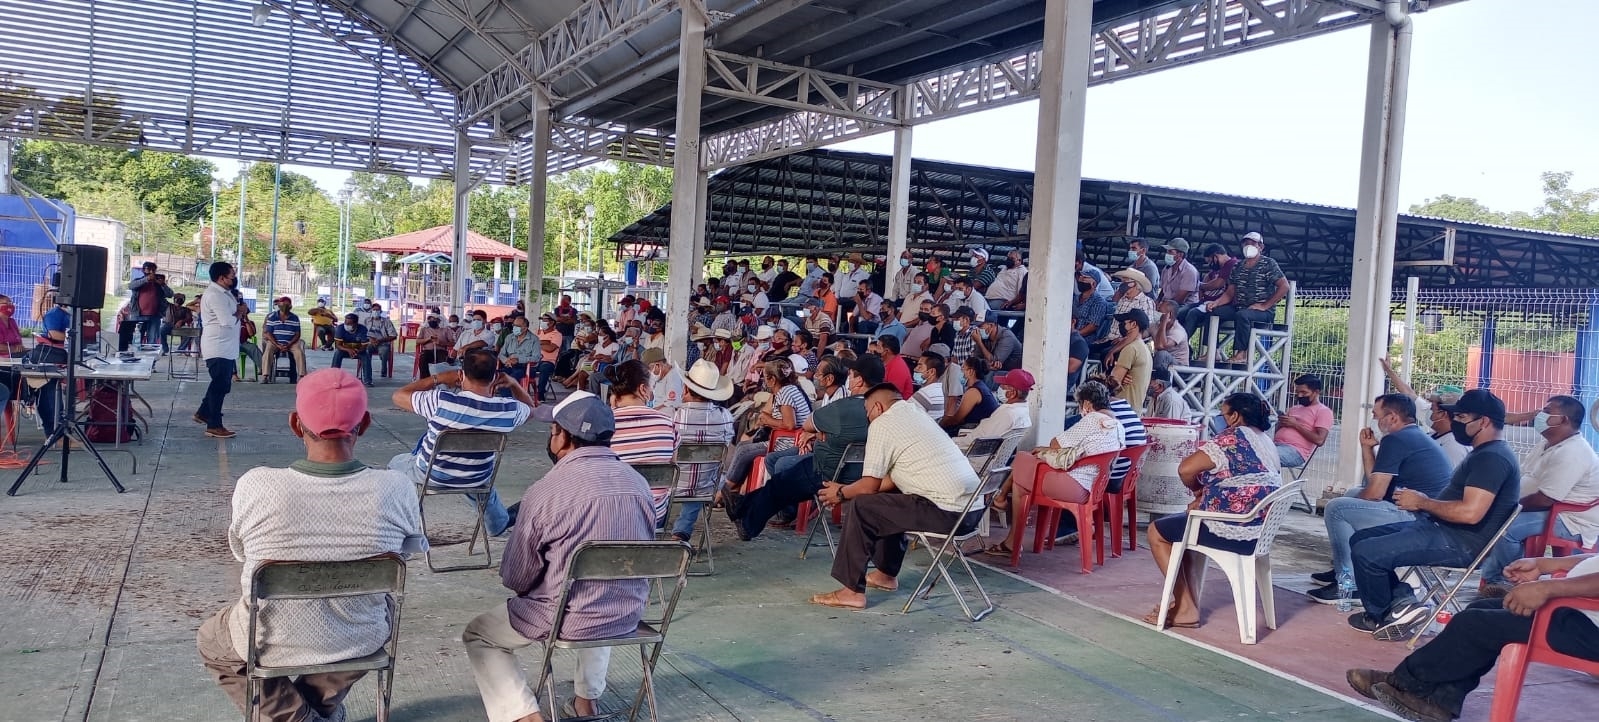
[(1154, 616), (997, 550)]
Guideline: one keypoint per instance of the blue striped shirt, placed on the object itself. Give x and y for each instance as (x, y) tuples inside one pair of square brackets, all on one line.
[(449, 409), (1134, 435)]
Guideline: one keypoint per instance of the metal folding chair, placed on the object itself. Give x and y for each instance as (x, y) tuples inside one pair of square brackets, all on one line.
[(463, 441), (618, 561), (382, 574), (1297, 473), (1437, 590), (184, 365), (854, 456), (952, 539), (692, 455)]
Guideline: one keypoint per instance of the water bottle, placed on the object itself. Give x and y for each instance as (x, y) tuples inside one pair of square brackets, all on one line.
[(1346, 590)]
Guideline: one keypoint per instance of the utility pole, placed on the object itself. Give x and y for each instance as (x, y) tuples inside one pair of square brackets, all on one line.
[(244, 190), (216, 186), (272, 250)]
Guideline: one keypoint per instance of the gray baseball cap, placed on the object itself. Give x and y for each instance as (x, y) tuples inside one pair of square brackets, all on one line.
[(582, 415)]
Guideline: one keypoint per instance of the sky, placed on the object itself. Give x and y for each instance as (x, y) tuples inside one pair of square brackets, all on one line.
[(1496, 98)]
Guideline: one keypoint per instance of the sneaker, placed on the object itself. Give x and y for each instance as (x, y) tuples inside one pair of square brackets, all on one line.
[(1361, 680), (1328, 577), (1067, 540), (1327, 594), (680, 536), (1409, 706), (1402, 623), (220, 433), (1363, 622), (1493, 590)]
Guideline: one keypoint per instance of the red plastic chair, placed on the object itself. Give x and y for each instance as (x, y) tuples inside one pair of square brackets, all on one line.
[(1514, 658), (1126, 499), (1027, 466), (408, 332), (1534, 545), (757, 477)]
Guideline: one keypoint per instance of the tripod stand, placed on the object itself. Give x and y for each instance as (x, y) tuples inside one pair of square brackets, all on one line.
[(68, 425)]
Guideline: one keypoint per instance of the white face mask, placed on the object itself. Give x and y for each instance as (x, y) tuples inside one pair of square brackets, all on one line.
[(1251, 251), (916, 288), (496, 328)]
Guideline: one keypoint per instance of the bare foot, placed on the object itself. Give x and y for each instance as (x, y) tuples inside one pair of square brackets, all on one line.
[(878, 580), (842, 599)]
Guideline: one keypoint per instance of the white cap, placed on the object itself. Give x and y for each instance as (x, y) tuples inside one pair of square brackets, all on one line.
[(1253, 236), (800, 365)]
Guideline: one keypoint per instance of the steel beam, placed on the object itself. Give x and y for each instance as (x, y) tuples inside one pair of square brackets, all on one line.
[(684, 247), (1062, 107), (1376, 223), (757, 80), (593, 27), (603, 141)]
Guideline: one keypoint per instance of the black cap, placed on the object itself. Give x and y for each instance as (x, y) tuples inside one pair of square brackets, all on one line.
[(1481, 402), (1135, 315)]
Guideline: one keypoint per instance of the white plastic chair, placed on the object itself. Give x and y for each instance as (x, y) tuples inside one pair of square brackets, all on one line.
[(1250, 575)]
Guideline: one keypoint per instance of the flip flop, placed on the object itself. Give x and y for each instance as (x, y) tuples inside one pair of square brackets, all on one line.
[(1153, 616), (872, 585), (997, 550), (830, 599)]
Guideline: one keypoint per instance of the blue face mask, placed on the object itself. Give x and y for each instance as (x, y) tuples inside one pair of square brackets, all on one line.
[(916, 378), (983, 333), (1132, 255), (1540, 423), (904, 263)]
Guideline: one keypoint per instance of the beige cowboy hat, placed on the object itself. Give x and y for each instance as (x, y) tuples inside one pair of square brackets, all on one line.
[(703, 379), (723, 333), (1136, 276)]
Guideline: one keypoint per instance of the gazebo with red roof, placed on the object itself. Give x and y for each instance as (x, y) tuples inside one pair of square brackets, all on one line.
[(441, 239), (414, 293)]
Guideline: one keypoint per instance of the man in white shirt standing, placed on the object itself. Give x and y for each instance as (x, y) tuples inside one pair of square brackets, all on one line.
[(219, 346), (1563, 469), (906, 451)]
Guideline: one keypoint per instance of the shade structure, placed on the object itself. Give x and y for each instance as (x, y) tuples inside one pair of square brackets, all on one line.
[(441, 240)]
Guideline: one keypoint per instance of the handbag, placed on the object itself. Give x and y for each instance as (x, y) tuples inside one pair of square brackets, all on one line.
[(1061, 459)]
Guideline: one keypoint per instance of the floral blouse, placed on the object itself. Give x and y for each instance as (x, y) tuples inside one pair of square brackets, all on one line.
[(1247, 471)]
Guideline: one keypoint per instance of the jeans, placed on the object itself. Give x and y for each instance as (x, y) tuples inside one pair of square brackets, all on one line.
[(1510, 547), (221, 371), (384, 353), (1347, 515), (1378, 551), (495, 518), (1449, 667), (249, 352), (363, 363), (49, 399), (1241, 320), (1195, 320), (1288, 456), (544, 369), (150, 332), (516, 372), (797, 482), (491, 645)]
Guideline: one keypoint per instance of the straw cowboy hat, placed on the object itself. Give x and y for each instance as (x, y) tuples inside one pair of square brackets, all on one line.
[(1136, 276), (703, 379)]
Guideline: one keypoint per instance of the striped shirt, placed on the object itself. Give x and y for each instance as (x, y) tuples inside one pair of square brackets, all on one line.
[(1133, 434), (643, 436), (791, 395), (446, 408), (907, 445), (701, 422)]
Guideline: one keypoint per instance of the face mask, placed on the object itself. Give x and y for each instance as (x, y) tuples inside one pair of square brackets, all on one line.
[(1170, 260), (916, 378), (960, 326), (1540, 423), (1303, 400), (1251, 251), (977, 262), (433, 324), (549, 448), (496, 328), (1458, 430), (982, 333), (1084, 287), (1214, 265), (957, 296), (627, 341), (916, 288), (1132, 255), (925, 317), (477, 325), (1012, 263), (811, 268), (351, 325), (548, 324), (781, 268), (904, 263), (752, 288)]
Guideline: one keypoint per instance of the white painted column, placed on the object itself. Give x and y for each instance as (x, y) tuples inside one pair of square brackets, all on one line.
[(899, 199), (684, 250), (537, 200), (1376, 222), (1068, 39), (460, 263), (702, 219)]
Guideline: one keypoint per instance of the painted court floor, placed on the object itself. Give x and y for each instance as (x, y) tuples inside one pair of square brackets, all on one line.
[(101, 594)]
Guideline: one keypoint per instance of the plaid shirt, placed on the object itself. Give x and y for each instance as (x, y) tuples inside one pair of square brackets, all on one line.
[(702, 422), (964, 346)]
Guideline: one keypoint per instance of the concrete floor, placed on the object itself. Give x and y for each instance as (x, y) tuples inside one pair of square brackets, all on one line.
[(101, 594)]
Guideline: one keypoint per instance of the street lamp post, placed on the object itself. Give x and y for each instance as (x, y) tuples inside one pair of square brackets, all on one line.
[(216, 187), (244, 190), (512, 212), (588, 249)]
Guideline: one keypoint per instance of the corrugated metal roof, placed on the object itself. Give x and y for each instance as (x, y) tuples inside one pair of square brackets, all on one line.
[(441, 239)]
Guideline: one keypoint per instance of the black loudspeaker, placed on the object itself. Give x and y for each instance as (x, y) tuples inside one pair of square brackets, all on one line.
[(82, 276)]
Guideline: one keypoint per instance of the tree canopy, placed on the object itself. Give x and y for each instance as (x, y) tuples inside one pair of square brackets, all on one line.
[(1564, 209)]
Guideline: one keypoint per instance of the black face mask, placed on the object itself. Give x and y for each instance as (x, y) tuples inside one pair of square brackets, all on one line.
[(1012, 263), (1304, 400), (1084, 287), (1458, 429), (927, 317), (433, 324), (548, 449)]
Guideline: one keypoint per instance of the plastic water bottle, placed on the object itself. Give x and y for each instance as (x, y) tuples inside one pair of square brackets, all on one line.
[(1346, 590)]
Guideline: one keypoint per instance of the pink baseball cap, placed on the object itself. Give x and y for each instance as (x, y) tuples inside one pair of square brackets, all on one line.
[(331, 402)]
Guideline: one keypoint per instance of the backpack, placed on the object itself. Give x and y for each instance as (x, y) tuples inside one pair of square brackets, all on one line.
[(102, 426)]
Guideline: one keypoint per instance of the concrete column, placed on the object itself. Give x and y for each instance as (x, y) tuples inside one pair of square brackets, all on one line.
[(537, 200), (5, 171), (1376, 222), (460, 262), (685, 252), (899, 200), (1068, 40), (702, 219)]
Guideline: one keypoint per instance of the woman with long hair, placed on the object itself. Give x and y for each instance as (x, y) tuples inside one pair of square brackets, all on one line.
[(643, 435), (1230, 472), (786, 410)]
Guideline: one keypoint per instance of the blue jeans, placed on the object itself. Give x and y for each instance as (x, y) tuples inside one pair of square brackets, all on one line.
[(796, 483), (544, 369), (1288, 456), (1378, 551), (495, 518), (1347, 515), (1510, 547), (363, 363)]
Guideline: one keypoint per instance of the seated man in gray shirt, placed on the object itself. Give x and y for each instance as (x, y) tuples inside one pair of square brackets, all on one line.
[(1406, 458)]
